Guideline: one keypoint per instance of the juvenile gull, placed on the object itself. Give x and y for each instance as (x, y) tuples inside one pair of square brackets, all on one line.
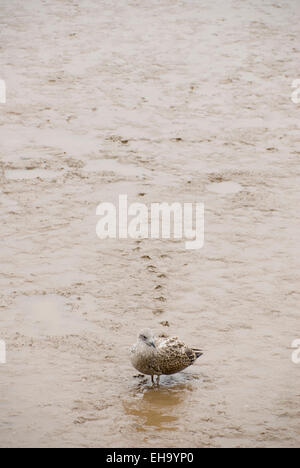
[(161, 355)]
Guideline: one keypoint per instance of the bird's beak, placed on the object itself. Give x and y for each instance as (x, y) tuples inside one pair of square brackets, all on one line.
[(152, 344)]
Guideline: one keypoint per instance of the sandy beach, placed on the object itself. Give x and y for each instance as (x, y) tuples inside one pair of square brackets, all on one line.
[(165, 101)]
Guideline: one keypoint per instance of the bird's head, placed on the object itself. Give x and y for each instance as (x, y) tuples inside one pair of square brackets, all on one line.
[(147, 337)]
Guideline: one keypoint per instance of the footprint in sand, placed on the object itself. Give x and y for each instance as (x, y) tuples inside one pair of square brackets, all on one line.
[(158, 311), (161, 299), (162, 276), (146, 257)]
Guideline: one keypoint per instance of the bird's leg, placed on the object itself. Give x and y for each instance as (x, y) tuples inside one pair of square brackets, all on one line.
[(152, 379), (157, 380)]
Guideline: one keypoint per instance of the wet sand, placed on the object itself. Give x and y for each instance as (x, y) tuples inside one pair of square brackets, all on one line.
[(186, 101)]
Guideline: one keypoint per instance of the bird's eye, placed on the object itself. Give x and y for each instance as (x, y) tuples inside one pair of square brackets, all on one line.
[(144, 337)]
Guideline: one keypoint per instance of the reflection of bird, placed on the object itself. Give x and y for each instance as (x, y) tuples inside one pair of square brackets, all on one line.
[(157, 355)]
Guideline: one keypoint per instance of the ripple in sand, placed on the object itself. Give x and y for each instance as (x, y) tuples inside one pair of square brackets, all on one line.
[(26, 174), (111, 165)]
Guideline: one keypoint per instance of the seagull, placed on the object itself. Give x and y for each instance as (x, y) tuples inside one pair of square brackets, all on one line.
[(161, 355)]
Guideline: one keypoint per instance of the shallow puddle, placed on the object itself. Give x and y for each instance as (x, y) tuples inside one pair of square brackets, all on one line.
[(48, 316), (157, 408), (225, 188)]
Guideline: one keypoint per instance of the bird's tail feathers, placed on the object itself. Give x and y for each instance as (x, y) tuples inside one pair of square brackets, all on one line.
[(198, 353)]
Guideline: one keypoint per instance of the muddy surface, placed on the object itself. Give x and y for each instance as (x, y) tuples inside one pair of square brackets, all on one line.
[(175, 101)]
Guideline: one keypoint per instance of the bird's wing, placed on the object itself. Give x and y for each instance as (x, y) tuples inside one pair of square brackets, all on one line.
[(174, 355)]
